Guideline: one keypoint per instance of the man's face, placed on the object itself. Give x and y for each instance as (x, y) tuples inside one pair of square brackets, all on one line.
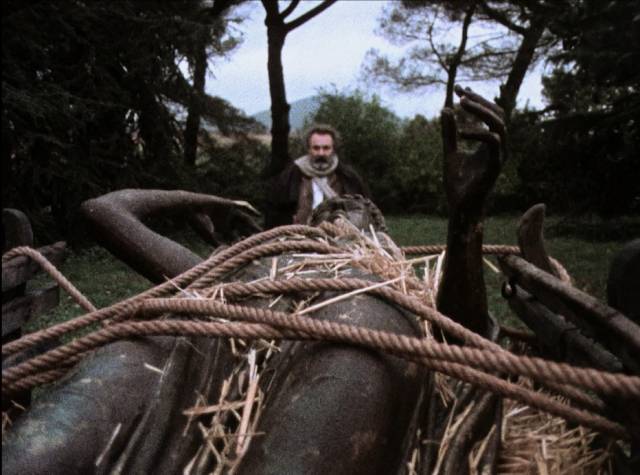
[(320, 147)]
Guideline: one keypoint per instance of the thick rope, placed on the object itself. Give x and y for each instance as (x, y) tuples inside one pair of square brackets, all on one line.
[(410, 303), (493, 249), (301, 284), (488, 360), (50, 269), (489, 249), (181, 281), (263, 250), (531, 398), (450, 359), (254, 331)]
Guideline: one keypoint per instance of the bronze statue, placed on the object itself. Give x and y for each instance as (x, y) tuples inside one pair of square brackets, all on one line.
[(331, 407)]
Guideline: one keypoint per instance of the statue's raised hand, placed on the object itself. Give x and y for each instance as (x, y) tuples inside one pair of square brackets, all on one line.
[(117, 221), (469, 177), (224, 222)]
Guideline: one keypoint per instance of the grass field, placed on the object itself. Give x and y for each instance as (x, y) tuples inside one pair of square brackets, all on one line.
[(585, 248)]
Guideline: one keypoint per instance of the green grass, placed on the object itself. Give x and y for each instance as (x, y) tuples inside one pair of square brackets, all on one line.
[(584, 247), (102, 278)]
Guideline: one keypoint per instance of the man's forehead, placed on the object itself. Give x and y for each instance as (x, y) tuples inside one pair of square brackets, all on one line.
[(321, 139)]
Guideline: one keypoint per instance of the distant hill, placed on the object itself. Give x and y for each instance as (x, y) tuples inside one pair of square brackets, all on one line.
[(300, 111)]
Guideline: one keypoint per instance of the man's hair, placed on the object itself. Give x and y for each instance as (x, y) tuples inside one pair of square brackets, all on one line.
[(322, 129)]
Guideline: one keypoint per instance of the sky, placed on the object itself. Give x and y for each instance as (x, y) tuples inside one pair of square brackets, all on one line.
[(327, 52)]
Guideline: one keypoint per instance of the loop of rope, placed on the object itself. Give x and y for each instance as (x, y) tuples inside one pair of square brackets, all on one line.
[(163, 289), (451, 360), (489, 360), (239, 289), (410, 303), (252, 331)]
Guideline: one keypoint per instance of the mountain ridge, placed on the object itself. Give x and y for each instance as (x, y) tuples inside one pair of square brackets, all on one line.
[(301, 110)]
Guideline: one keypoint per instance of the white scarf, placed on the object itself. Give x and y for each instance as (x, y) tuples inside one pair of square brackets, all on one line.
[(318, 172)]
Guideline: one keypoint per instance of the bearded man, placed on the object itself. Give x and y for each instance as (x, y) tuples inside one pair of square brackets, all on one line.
[(312, 179)]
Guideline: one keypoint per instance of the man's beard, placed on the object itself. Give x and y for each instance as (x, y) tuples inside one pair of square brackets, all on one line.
[(322, 162)]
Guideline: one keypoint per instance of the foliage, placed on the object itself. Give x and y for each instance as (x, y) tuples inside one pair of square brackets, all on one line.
[(89, 92), (235, 170), (591, 137), (422, 26), (417, 174), (498, 40)]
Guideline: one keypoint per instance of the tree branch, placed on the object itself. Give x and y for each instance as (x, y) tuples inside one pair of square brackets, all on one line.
[(290, 8), (308, 15), (501, 18), (440, 60)]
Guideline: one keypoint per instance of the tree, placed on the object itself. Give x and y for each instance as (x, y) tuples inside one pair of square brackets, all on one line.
[(590, 132), (427, 63), (208, 38), (416, 174), (527, 19), (499, 40), (86, 95), (277, 31)]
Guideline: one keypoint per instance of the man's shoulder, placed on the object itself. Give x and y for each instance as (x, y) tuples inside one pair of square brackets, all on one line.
[(352, 180), (347, 170)]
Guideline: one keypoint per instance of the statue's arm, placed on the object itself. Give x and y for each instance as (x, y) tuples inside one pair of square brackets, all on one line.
[(116, 220), (468, 180)]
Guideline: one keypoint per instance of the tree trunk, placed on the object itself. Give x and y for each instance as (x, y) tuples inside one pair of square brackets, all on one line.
[(193, 119), (279, 107), (509, 90)]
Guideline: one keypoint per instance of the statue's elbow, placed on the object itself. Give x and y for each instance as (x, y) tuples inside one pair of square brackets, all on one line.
[(99, 212)]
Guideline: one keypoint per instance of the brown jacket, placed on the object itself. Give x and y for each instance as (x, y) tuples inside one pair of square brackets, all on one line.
[(290, 195)]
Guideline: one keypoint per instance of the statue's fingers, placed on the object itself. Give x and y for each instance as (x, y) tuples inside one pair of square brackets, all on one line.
[(203, 226), (246, 206), (249, 222), (449, 131), (481, 135), (494, 121), (467, 92), (485, 136)]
